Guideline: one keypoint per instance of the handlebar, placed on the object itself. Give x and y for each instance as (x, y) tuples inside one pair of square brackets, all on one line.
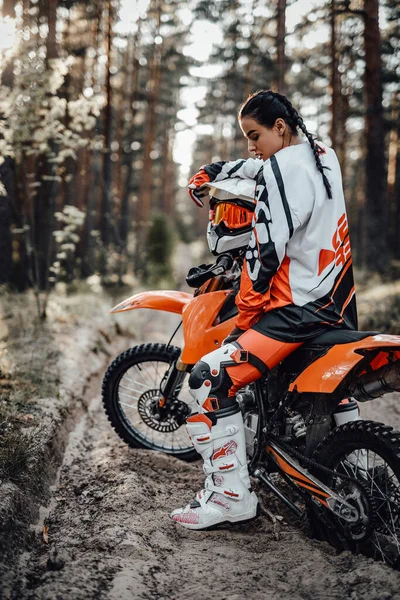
[(199, 275), (225, 261)]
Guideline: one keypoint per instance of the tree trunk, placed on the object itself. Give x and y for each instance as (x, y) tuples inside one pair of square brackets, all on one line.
[(69, 191), (7, 73), (342, 134), (90, 187), (9, 8), (7, 178), (43, 216), (26, 4), (21, 274), (339, 102), (51, 42), (335, 80), (44, 203), (280, 41), (7, 174), (105, 226), (133, 82), (143, 217), (393, 180), (396, 249), (167, 175), (376, 200), (357, 214)]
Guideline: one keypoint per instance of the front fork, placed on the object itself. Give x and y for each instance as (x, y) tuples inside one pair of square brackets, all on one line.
[(171, 384), (170, 387), (173, 379)]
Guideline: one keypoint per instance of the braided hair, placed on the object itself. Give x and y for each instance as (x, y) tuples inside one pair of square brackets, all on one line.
[(265, 106)]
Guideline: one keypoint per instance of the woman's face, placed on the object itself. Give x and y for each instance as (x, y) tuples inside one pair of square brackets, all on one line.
[(263, 141)]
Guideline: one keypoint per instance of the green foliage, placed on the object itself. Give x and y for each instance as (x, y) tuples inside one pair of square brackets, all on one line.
[(19, 453), (160, 246), (34, 113), (71, 219)]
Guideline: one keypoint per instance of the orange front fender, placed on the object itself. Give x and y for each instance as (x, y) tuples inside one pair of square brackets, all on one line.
[(168, 300)]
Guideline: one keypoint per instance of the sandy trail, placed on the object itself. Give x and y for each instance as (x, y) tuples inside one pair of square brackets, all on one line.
[(109, 535)]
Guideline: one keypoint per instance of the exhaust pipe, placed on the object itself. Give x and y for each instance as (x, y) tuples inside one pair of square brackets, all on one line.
[(379, 382)]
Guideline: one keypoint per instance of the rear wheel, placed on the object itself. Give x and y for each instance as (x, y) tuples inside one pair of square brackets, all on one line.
[(131, 399), (369, 454)]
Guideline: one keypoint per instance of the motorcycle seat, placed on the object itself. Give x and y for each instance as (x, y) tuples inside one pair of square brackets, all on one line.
[(338, 336)]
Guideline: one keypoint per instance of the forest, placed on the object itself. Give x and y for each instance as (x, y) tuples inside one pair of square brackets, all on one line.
[(107, 107)]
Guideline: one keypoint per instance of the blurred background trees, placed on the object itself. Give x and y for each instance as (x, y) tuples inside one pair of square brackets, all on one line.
[(107, 106)]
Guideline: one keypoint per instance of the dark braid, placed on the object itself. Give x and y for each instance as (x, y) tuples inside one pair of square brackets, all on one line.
[(311, 140), (265, 106)]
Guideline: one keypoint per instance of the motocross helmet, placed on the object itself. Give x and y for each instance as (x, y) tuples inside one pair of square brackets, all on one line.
[(232, 206)]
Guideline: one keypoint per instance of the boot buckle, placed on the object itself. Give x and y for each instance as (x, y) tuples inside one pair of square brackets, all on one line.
[(227, 466), (233, 494), (202, 438)]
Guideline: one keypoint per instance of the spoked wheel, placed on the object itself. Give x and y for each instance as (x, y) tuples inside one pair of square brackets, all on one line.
[(369, 454), (136, 408)]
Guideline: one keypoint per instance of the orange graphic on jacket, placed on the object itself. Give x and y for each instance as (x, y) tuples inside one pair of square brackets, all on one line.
[(341, 247)]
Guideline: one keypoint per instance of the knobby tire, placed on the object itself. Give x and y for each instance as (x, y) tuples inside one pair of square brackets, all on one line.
[(378, 438)]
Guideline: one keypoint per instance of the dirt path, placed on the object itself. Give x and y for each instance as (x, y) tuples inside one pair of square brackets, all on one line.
[(109, 536)]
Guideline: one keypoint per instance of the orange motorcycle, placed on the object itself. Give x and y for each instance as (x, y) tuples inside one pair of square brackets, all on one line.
[(347, 477)]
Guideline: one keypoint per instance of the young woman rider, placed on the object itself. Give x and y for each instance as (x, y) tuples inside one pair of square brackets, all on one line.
[(296, 283)]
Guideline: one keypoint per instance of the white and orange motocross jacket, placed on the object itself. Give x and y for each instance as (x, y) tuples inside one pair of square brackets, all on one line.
[(297, 278)]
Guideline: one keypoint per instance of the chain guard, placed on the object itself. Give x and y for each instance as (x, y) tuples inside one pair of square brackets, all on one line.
[(358, 496)]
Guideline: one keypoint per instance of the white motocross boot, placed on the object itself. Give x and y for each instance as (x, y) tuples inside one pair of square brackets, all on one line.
[(226, 497)]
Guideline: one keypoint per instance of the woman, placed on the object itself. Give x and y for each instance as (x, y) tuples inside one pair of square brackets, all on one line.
[(296, 282)]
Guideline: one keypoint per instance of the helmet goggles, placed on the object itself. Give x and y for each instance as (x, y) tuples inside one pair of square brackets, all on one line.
[(232, 215)]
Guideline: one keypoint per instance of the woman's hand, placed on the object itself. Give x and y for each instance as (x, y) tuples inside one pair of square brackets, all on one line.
[(195, 184)]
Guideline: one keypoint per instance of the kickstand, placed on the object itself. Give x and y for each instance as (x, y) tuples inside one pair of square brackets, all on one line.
[(265, 511)]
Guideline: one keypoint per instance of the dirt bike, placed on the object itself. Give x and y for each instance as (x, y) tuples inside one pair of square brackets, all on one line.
[(346, 477)]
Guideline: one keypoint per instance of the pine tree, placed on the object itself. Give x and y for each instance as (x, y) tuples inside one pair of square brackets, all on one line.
[(375, 166)]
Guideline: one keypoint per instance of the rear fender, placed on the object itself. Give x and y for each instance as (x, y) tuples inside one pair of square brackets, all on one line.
[(325, 374), (167, 300)]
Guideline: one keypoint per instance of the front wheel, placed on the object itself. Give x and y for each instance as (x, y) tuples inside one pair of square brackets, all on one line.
[(367, 453), (131, 399)]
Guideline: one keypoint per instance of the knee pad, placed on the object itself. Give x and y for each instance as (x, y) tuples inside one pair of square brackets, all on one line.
[(209, 376)]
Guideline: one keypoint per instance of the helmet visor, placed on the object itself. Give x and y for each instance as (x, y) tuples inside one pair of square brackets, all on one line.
[(232, 215)]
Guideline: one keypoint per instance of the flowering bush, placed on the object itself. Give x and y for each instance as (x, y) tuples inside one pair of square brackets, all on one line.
[(71, 219)]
